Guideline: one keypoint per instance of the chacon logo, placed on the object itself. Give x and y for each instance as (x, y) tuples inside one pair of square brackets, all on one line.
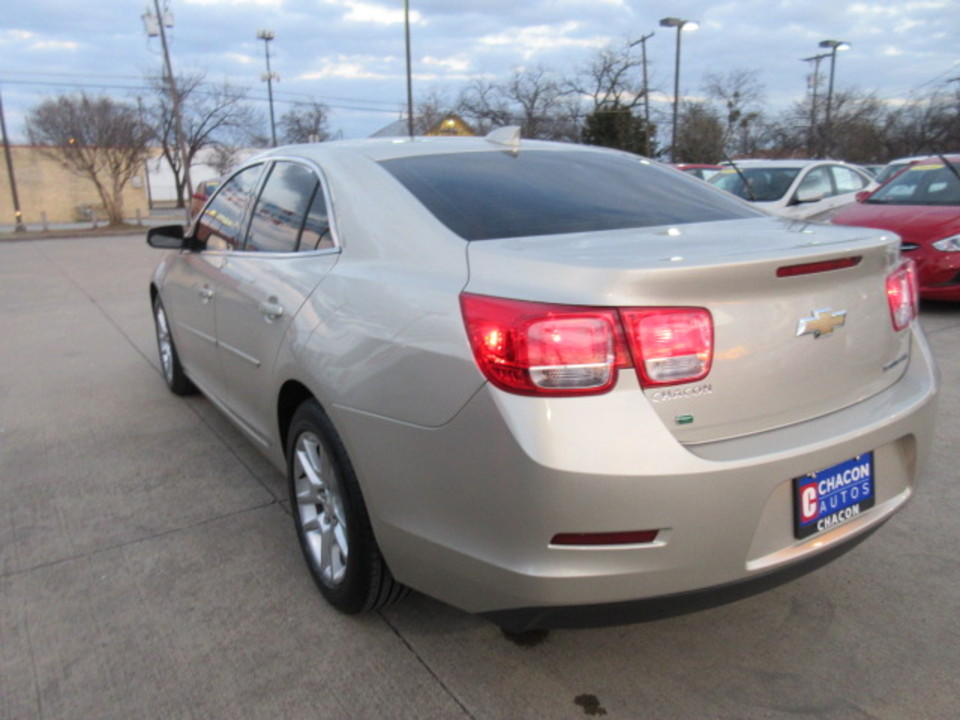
[(821, 322), (681, 393)]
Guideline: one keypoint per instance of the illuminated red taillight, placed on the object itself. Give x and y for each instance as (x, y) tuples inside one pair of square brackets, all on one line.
[(670, 345), (903, 294), (547, 349), (543, 349)]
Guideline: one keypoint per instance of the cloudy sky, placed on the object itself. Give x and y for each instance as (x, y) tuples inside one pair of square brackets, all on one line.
[(349, 54)]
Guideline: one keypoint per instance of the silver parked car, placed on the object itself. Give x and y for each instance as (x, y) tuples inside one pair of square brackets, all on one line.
[(525, 377)]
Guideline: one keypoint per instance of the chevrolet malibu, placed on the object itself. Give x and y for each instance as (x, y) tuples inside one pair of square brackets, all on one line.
[(530, 379)]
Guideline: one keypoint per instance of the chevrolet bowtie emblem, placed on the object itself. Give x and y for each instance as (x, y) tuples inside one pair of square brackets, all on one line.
[(822, 322)]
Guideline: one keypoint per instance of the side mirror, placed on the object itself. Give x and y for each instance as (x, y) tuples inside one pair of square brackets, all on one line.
[(166, 237), (862, 195)]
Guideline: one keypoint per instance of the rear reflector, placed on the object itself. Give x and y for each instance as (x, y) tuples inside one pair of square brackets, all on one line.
[(818, 267), (633, 537)]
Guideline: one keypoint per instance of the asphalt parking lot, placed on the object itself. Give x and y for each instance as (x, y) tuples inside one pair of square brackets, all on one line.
[(149, 567)]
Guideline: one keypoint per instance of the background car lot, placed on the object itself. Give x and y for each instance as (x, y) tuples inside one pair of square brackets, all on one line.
[(148, 567)]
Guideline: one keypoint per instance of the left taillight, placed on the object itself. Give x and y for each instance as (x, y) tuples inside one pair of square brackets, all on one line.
[(903, 294), (547, 349), (544, 349)]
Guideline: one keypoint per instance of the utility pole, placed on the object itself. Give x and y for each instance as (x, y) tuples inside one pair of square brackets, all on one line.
[(18, 216), (174, 96), (642, 42)]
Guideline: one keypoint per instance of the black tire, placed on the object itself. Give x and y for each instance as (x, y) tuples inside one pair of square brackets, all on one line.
[(170, 367), (331, 518)]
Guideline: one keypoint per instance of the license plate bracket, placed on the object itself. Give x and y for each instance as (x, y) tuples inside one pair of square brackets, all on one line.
[(830, 497)]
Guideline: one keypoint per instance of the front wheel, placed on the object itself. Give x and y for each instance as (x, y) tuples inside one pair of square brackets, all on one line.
[(331, 518)]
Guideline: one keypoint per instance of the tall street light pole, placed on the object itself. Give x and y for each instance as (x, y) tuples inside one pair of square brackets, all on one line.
[(815, 84), (642, 42), (679, 24), (406, 26), (833, 45), (267, 36)]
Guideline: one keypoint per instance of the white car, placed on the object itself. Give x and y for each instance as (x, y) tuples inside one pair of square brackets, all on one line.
[(799, 189)]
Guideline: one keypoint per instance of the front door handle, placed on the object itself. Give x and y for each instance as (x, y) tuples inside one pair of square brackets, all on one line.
[(206, 293), (271, 310)]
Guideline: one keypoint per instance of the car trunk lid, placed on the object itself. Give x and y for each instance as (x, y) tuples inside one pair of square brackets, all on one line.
[(788, 346)]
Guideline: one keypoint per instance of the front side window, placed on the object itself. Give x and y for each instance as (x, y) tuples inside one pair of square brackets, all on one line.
[(220, 225), (279, 213), (488, 195)]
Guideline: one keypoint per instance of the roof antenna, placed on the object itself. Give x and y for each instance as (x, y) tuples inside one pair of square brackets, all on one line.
[(508, 136)]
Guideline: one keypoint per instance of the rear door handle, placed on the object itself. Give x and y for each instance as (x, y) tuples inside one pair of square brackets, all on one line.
[(271, 310), (206, 293)]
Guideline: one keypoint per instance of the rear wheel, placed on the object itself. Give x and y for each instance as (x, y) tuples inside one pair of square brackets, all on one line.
[(331, 518), (173, 374)]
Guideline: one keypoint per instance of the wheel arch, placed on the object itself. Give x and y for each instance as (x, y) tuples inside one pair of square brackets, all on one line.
[(292, 394)]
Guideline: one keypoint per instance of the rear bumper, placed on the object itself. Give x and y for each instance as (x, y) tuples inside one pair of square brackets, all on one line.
[(466, 512), (518, 620)]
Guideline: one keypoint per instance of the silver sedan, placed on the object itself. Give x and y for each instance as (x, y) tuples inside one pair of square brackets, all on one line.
[(526, 378)]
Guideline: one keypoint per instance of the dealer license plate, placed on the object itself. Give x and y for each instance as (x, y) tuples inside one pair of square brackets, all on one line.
[(830, 497)]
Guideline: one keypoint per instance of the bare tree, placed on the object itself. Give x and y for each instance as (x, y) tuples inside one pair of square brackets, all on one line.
[(857, 127), (483, 102), (740, 95), (305, 123), (534, 99), (613, 79), (615, 84), (94, 137), (700, 134), (210, 114), (928, 124)]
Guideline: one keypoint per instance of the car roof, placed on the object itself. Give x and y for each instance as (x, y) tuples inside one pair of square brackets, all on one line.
[(793, 163), (378, 149)]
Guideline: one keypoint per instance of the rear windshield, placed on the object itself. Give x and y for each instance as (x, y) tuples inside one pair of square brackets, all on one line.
[(488, 195)]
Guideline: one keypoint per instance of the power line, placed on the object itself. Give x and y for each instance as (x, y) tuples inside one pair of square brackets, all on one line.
[(4, 74), (388, 106)]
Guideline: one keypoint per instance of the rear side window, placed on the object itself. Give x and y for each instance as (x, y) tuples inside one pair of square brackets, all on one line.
[(280, 209), (221, 225), (847, 180), (489, 195)]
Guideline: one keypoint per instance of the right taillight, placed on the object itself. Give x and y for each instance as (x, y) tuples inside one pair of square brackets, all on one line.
[(547, 349), (903, 294), (670, 345)]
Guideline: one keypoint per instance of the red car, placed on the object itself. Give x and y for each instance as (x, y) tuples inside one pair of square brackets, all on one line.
[(699, 170), (921, 205)]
